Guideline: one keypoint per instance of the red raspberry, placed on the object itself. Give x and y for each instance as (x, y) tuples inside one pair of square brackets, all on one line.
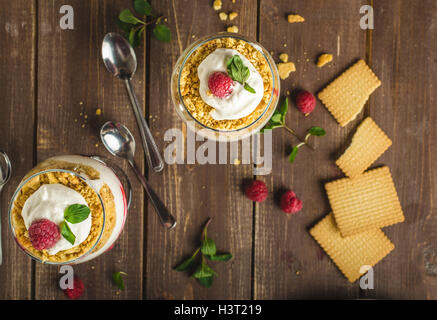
[(257, 191), (306, 102), (290, 203), (77, 290), (220, 84), (44, 234)]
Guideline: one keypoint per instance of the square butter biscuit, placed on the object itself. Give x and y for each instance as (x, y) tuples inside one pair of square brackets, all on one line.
[(352, 253), (368, 201), (368, 144), (346, 96)]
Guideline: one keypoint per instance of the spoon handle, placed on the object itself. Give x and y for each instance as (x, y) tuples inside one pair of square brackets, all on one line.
[(153, 156), (166, 218)]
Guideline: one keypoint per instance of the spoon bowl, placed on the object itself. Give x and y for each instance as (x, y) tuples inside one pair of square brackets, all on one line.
[(5, 169), (119, 56), (118, 140)]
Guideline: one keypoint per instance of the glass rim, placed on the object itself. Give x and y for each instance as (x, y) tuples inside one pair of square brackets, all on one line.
[(195, 45), (11, 205)]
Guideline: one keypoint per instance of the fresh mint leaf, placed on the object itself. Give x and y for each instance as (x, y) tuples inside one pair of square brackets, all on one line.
[(237, 71), (76, 213), (128, 17), (67, 233), (126, 27), (220, 257), (206, 281), (208, 247), (187, 263), (276, 118), (118, 279), (283, 110), (143, 7), (293, 154), (203, 271), (162, 33), (249, 88), (316, 131)]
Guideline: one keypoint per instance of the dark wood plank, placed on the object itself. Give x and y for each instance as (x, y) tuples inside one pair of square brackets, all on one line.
[(17, 55), (72, 82), (195, 192), (404, 56), (288, 262)]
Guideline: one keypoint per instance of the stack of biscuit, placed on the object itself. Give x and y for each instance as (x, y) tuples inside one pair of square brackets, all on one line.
[(364, 201)]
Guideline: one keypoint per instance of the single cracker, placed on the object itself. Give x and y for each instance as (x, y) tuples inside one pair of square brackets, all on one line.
[(353, 253), (346, 96), (368, 144), (366, 202)]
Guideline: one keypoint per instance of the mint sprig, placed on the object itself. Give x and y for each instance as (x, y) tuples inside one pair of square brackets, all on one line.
[(237, 71), (74, 213), (133, 27), (278, 121), (204, 273), (117, 278)]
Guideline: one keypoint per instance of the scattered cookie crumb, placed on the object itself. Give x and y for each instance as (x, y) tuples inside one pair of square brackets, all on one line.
[(97, 145), (81, 103), (288, 92), (85, 116), (283, 57), (98, 112), (285, 69), (203, 187), (93, 267), (324, 59), (81, 114), (233, 15), (293, 18), (232, 29), (233, 1), (217, 5), (223, 16), (83, 125), (285, 45), (237, 162)]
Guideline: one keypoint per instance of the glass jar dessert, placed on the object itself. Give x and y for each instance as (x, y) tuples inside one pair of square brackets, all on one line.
[(69, 209), (225, 86)]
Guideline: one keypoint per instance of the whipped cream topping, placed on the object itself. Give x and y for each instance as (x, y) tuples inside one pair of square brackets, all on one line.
[(49, 202), (240, 103)]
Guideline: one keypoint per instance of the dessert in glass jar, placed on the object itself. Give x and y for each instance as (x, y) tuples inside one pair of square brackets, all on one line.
[(226, 85), (69, 209)]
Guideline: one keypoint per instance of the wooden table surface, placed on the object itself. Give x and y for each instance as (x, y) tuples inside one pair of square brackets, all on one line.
[(51, 78)]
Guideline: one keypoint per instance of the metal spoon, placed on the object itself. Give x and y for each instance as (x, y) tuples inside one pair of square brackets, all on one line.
[(5, 175), (120, 142), (120, 59)]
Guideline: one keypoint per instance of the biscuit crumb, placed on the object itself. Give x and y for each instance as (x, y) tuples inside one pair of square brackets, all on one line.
[(324, 59), (293, 18), (233, 1), (97, 145), (98, 112), (81, 103), (223, 16), (233, 15), (288, 92), (283, 57), (232, 29), (217, 5), (237, 162), (209, 93), (285, 69)]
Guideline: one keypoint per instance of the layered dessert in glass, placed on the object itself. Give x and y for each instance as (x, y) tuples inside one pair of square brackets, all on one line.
[(225, 85), (69, 209)]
